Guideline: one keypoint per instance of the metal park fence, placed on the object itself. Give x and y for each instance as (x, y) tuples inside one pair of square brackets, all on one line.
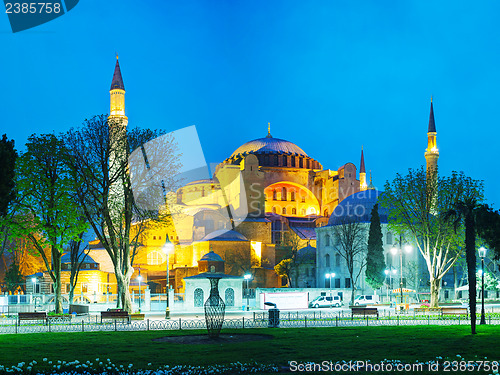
[(259, 320)]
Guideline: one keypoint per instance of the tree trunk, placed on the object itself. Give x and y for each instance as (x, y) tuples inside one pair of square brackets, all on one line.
[(123, 294), (352, 293), (435, 285), (71, 293), (470, 256), (56, 263)]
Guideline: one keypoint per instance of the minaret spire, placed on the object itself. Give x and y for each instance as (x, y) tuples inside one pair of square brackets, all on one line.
[(117, 94), (432, 152), (269, 130), (362, 172)]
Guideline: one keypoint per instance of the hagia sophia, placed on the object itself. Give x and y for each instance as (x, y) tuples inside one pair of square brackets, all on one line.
[(285, 192)]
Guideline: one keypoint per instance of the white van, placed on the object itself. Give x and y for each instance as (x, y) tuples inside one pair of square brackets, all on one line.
[(326, 301), (366, 300)]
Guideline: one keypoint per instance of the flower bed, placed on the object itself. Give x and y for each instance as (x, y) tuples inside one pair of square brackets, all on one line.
[(107, 367)]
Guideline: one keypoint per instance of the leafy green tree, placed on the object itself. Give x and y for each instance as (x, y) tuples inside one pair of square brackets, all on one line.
[(375, 261), (488, 228), (13, 277), (77, 258), (417, 203), (8, 156), (99, 161), (285, 269), (48, 215)]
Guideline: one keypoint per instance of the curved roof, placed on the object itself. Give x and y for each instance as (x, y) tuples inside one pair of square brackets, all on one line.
[(270, 145), (212, 257), (306, 254), (224, 235), (358, 207)]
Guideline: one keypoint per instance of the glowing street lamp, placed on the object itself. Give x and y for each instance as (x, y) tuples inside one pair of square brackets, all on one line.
[(330, 276), (394, 251), (482, 254), (33, 280), (248, 277), (168, 247), (139, 278)]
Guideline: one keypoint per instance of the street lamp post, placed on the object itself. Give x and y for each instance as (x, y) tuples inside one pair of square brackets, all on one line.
[(389, 273), (482, 253), (330, 276), (247, 277), (139, 278), (394, 251), (33, 280), (167, 249)]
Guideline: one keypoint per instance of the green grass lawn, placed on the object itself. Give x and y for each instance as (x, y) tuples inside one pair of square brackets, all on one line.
[(407, 344)]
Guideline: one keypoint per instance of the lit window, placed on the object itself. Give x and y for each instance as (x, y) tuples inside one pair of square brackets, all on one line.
[(294, 211), (283, 194), (155, 258), (292, 196), (327, 260), (283, 211)]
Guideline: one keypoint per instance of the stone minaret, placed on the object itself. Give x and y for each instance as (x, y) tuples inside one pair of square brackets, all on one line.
[(362, 173), (117, 122), (431, 153)]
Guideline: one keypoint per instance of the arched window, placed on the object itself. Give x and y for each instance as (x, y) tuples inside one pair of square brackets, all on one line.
[(155, 258), (283, 210), (292, 195), (294, 211), (285, 161), (275, 195), (327, 240), (274, 210), (301, 163), (325, 213), (198, 297), (303, 212), (337, 260), (283, 193), (327, 260), (212, 268), (389, 238), (229, 297), (293, 161), (276, 160)]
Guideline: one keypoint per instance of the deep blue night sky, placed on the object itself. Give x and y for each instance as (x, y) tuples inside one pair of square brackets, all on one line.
[(329, 75)]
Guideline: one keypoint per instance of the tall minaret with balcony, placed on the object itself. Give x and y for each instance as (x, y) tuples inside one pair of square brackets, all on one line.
[(362, 173), (117, 122), (432, 152)]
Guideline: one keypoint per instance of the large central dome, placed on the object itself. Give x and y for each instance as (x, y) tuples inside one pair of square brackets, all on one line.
[(271, 145)]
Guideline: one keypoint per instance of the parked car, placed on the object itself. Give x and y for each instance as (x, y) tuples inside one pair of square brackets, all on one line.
[(366, 299), (325, 301)]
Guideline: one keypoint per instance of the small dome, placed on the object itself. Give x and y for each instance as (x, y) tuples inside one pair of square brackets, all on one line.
[(306, 254), (269, 145), (358, 207), (211, 257), (224, 235)]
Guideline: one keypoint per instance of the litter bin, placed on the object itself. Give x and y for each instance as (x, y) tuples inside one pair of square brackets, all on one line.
[(274, 315), (274, 318)]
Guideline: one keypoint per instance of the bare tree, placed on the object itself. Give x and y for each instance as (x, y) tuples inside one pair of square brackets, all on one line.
[(118, 211), (350, 236)]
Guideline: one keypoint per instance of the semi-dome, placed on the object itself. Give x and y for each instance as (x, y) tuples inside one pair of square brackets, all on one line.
[(224, 235), (358, 207), (269, 145), (306, 254)]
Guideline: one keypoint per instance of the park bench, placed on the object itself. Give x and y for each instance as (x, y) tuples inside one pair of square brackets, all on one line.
[(427, 310), (42, 315), (364, 311), (115, 314), (454, 311)]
